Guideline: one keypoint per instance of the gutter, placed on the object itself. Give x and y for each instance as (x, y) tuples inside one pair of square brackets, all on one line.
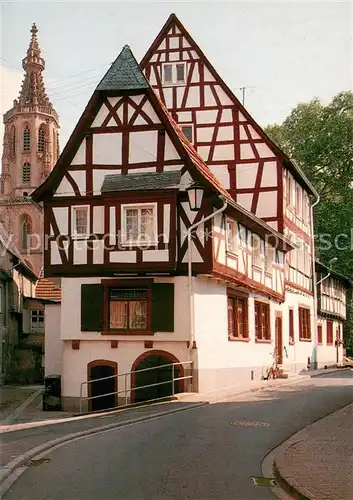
[(314, 284)]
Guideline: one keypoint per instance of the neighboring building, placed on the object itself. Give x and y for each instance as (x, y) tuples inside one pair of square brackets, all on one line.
[(256, 173), (20, 361), (332, 312), (31, 146)]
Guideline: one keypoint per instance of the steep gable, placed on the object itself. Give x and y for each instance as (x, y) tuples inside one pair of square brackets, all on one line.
[(245, 161)]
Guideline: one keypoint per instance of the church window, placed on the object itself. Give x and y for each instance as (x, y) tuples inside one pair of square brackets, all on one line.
[(26, 232), (26, 139), (41, 134), (13, 141), (26, 173)]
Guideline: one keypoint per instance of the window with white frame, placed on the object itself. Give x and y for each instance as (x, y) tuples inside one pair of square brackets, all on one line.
[(231, 235), (174, 73), (139, 224), (37, 320), (80, 221), (269, 257), (257, 249)]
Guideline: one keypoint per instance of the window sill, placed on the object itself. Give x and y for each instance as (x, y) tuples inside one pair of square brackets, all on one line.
[(141, 244), (230, 253), (82, 237), (291, 342), (238, 339), (263, 341), (127, 332), (329, 344), (304, 340)]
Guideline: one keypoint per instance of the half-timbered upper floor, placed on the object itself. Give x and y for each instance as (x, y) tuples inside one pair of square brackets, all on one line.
[(332, 292), (116, 202), (247, 163)]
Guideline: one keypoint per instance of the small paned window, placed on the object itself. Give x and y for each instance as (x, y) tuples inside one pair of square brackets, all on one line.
[(262, 321), (187, 131), (41, 134), (319, 334), (257, 249), (304, 324), (128, 309), (291, 326), (26, 173), (329, 333), (174, 73), (139, 225), (168, 73), (180, 73), (26, 139), (238, 318), (80, 221), (231, 235)]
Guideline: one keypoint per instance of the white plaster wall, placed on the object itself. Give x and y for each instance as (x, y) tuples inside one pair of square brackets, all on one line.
[(327, 354), (74, 366), (80, 156), (222, 362), (298, 353), (53, 344), (107, 149), (70, 320)]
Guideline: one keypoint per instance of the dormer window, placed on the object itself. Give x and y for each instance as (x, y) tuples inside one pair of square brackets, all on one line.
[(80, 221), (26, 139), (174, 73)]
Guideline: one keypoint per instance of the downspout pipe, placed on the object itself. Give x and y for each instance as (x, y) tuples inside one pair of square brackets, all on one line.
[(315, 360)]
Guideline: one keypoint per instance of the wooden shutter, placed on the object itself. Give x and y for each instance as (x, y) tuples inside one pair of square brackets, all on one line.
[(92, 308), (163, 307)]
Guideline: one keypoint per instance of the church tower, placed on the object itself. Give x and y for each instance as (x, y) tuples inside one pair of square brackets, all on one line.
[(31, 148)]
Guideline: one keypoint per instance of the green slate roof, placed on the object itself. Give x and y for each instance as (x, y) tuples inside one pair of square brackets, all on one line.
[(124, 74), (140, 182)]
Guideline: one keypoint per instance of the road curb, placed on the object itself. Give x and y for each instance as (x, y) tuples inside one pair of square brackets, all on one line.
[(17, 411), (20, 461), (297, 491), (278, 458), (329, 371)]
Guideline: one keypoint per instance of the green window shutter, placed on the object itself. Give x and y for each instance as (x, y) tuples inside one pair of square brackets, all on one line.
[(92, 308), (163, 307)]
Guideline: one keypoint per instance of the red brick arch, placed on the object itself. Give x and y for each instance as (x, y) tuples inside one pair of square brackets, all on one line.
[(179, 372)]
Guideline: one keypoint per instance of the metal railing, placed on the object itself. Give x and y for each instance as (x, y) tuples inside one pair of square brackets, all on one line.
[(128, 390)]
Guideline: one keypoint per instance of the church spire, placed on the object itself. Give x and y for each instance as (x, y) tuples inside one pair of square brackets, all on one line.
[(33, 91)]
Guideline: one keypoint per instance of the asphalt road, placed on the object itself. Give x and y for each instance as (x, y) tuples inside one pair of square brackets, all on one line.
[(202, 454)]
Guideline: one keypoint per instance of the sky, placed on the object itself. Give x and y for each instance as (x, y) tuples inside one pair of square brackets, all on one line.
[(282, 52)]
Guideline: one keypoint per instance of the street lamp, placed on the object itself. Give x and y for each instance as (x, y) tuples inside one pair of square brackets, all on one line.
[(195, 195)]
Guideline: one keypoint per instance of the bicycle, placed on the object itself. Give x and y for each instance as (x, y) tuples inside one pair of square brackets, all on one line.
[(273, 371)]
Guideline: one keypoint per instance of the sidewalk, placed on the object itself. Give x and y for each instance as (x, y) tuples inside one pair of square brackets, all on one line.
[(316, 463)]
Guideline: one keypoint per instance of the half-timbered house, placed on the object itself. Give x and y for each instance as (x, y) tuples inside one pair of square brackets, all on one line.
[(116, 218), (257, 174), (332, 313)]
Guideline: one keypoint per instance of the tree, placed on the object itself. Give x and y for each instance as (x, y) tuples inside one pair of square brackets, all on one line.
[(320, 139)]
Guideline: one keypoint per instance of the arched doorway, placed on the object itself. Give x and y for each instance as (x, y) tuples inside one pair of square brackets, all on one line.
[(155, 359), (101, 368)]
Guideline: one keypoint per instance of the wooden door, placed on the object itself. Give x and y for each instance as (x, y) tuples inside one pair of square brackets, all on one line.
[(279, 339), (101, 387)]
